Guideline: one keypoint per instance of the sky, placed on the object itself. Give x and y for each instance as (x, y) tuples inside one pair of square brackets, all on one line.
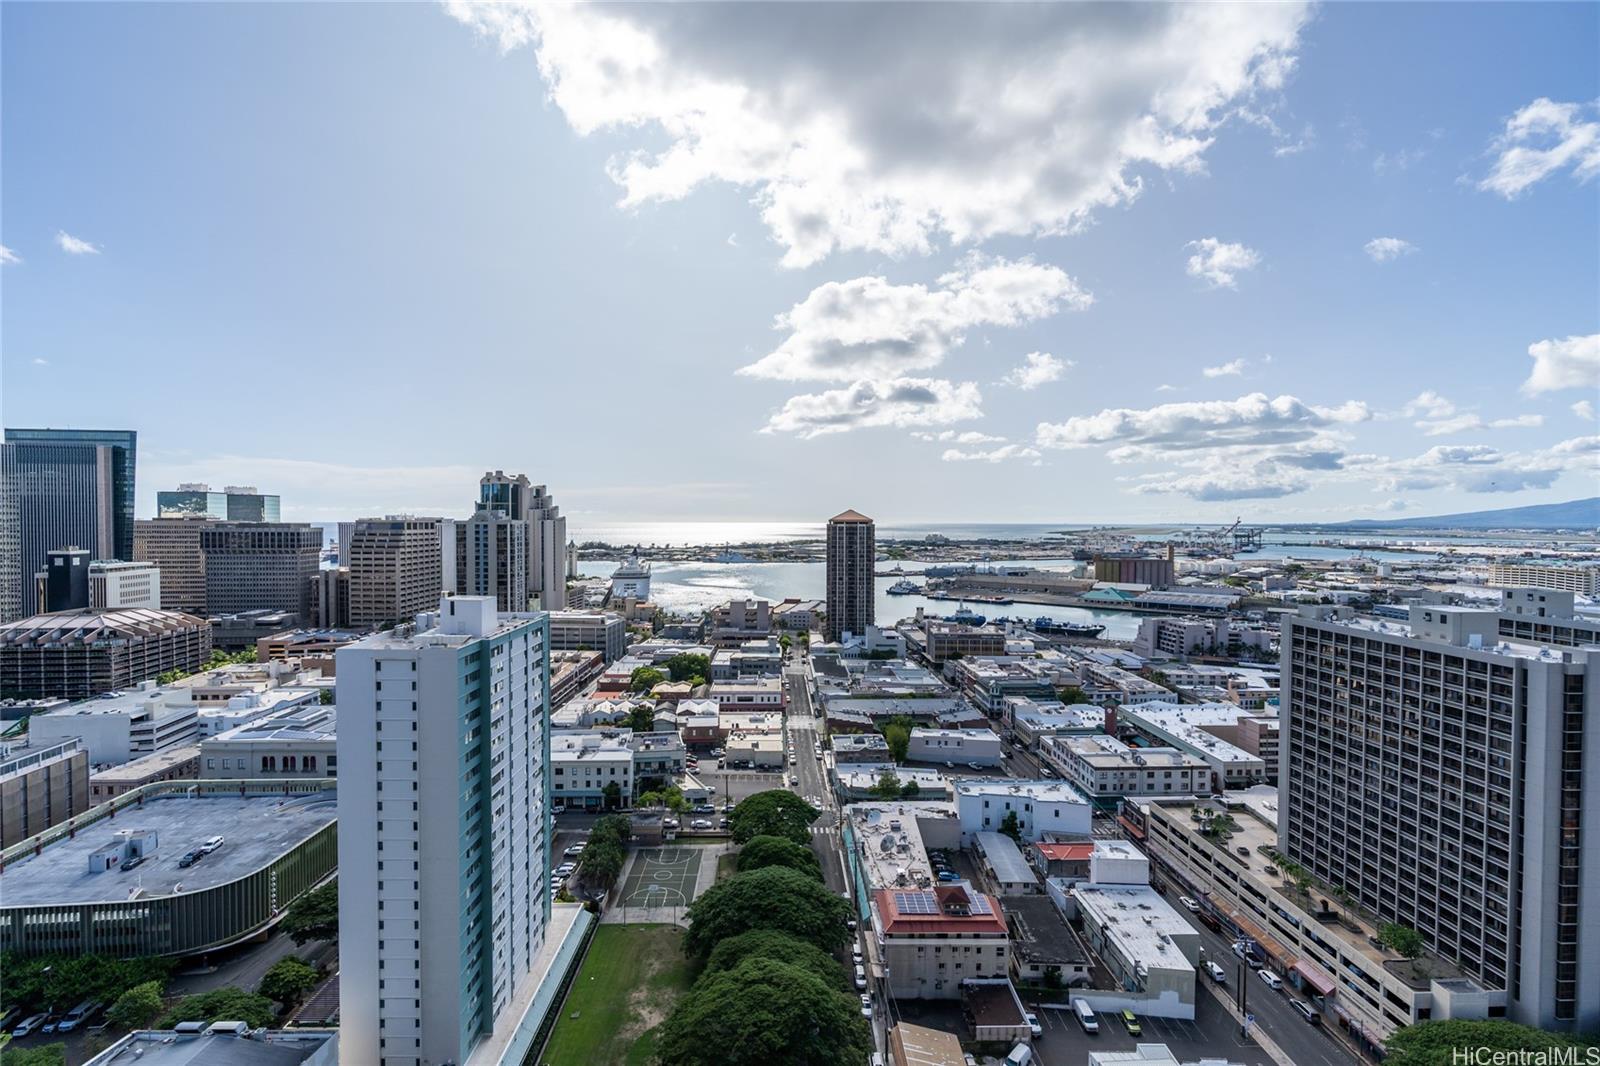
[(978, 263)]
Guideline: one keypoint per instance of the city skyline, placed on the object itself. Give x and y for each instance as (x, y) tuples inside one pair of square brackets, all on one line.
[(1226, 279)]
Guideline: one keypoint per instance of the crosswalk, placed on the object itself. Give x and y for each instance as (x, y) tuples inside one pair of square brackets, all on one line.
[(825, 831)]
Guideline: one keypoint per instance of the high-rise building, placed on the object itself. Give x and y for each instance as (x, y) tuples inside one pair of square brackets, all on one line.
[(63, 584), (443, 752), (63, 486), (235, 503), (1445, 778), (252, 566), (522, 501), (491, 558), (396, 568), (172, 545), (330, 598), (852, 550)]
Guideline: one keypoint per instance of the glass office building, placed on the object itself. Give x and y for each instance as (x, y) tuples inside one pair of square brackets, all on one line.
[(236, 503)]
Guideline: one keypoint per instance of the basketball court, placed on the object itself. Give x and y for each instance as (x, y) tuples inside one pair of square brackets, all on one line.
[(662, 877)]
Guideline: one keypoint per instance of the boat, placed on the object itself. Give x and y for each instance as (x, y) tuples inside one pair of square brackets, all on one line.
[(1070, 629), (965, 616), (904, 588)]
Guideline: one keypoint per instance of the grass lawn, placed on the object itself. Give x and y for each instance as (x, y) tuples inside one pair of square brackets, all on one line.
[(629, 982)]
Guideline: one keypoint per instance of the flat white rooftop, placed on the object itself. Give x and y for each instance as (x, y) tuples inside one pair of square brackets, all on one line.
[(1038, 791), (1141, 921)]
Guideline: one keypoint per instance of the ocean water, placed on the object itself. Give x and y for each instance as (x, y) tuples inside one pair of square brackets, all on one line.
[(664, 534), (698, 586)]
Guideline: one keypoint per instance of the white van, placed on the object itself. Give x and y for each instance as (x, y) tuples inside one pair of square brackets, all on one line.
[(1085, 1015), (1273, 981), (1218, 974), (861, 978), (1021, 1055)]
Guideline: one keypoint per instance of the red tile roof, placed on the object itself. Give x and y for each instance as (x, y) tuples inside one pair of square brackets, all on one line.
[(934, 914), (1058, 852)]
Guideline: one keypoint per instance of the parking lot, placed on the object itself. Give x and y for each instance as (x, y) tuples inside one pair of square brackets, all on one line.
[(1213, 1034)]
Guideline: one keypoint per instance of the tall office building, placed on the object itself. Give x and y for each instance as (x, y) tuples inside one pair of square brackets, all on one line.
[(63, 486), (491, 559), (63, 584), (852, 550), (443, 755), (235, 503), (1446, 779), (172, 545), (253, 566), (396, 568), (522, 501)]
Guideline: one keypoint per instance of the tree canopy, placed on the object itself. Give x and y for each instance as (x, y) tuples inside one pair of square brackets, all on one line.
[(766, 851), (686, 666), (897, 731), (136, 1007), (773, 897), (288, 980), (642, 719), (315, 915), (608, 843), (1432, 1043), (775, 812), (1401, 939), (761, 1012), (222, 1005), (43, 1055), (56, 982), (645, 678), (1011, 827), (771, 944)]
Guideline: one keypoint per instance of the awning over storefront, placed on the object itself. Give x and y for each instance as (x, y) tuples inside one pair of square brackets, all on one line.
[(1268, 943), (1316, 977)]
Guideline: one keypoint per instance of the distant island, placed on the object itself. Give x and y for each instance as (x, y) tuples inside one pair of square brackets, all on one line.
[(1574, 514)]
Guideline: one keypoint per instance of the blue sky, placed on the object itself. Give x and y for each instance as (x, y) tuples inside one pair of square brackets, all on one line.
[(358, 254)]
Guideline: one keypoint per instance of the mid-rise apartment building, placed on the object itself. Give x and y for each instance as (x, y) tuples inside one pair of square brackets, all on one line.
[(1106, 770), (1583, 579), (491, 559), (599, 631), (1445, 777), (444, 754), (42, 784)]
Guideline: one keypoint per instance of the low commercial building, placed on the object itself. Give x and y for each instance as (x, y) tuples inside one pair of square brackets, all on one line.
[(657, 755), (946, 640), (960, 746), (930, 940), (749, 694), (249, 707), (314, 648), (1004, 868), (300, 742), (1150, 1055), (1181, 637), (223, 1044), (1043, 946), (571, 672), (861, 782), (861, 749), (1067, 861), (992, 682), (1107, 770), (763, 749), (41, 785), (63, 892), (601, 631), (584, 764), (79, 654), (114, 584), (1030, 720), (127, 726), (799, 616), (736, 621), (1042, 808), (1108, 683), (173, 764), (1216, 733), (917, 1045), (1150, 949)]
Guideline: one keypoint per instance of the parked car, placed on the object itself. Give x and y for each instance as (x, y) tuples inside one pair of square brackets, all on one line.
[(1307, 1012), (948, 876), (1130, 1021), (29, 1024), (1241, 949), (973, 766), (79, 1014), (1218, 974), (861, 977), (566, 868), (1191, 905), (949, 766), (133, 862), (1045, 771), (703, 808), (866, 1005), (577, 849), (669, 823), (699, 823), (210, 844), (1033, 1023), (558, 808), (855, 954), (723, 823), (1273, 981), (793, 780), (190, 858)]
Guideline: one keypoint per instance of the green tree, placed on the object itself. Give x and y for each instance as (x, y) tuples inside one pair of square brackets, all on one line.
[(613, 795), (602, 860), (642, 719), (645, 678), (771, 944), (1441, 1043), (898, 734), (326, 697), (1011, 827), (222, 1004), (136, 1007), (1071, 694), (44, 1055), (770, 898), (775, 812), (56, 982), (688, 667), (760, 852), (910, 790), (887, 785), (315, 915), (1401, 939), (288, 981), (764, 1011)]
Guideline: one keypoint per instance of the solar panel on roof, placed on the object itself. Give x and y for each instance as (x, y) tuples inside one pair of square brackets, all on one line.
[(915, 903)]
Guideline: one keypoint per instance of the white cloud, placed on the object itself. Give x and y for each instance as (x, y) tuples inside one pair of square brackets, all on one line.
[(1539, 140), (1228, 485), (1461, 423), (1431, 404), (1584, 410), (1570, 363), (1039, 368), (1480, 468), (857, 127), (971, 436), (74, 246), (37, 361), (8, 256), (993, 455), (1166, 388), (1383, 249), (1250, 421), (1232, 368), (1218, 263), (868, 328), (1394, 504), (733, 240), (901, 402)]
